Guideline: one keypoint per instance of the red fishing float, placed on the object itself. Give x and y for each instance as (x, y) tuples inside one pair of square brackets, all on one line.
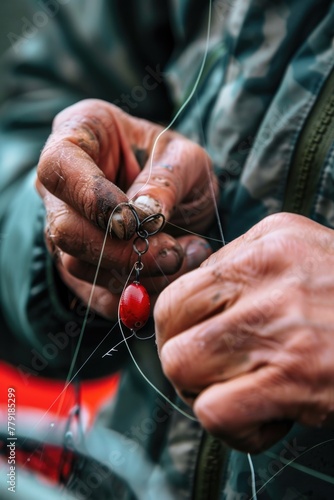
[(134, 307)]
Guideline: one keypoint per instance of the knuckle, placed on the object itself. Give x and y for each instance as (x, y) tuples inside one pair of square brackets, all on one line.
[(275, 221), (86, 133), (58, 236), (269, 255), (81, 196), (45, 167), (88, 124), (301, 361), (64, 232), (49, 169)]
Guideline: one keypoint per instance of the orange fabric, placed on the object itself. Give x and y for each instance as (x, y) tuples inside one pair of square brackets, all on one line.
[(49, 395), (32, 393)]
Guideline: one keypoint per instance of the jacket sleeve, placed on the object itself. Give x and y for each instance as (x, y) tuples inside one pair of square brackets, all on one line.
[(65, 52)]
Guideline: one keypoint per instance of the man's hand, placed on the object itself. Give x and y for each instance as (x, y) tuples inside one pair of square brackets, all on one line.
[(248, 339), (96, 160)]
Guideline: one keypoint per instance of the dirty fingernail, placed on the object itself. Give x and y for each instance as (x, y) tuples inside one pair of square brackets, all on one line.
[(196, 253), (123, 223)]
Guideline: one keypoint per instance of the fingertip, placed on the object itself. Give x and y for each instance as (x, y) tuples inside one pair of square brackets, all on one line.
[(155, 193), (208, 413), (196, 252), (170, 258), (174, 360), (122, 223)]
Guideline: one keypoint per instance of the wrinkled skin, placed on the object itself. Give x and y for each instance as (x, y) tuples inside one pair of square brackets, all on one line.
[(88, 172), (252, 347)]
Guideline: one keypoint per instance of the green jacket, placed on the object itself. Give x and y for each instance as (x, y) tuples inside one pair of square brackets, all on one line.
[(264, 111)]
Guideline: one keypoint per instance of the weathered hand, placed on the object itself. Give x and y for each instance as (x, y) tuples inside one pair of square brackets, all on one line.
[(248, 339), (96, 160)]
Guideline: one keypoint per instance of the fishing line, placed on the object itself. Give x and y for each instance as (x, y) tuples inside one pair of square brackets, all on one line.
[(75, 356), (70, 377), (133, 334), (83, 328), (216, 240), (125, 340), (88, 310), (186, 102), (251, 466), (213, 195), (185, 414), (221, 232), (184, 105), (289, 464), (70, 381)]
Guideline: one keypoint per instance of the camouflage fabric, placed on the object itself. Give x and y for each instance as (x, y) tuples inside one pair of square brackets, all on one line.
[(269, 65)]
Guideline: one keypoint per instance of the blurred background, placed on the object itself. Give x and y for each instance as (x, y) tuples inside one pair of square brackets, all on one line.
[(11, 13)]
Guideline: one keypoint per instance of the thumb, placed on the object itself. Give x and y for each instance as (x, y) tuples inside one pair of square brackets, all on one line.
[(250, 412)]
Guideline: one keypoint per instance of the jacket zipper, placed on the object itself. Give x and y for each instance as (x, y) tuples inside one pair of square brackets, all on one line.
[(208, 478), (311, 151)]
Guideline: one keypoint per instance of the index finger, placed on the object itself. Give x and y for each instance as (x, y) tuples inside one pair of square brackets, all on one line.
[(177, 172), (85, 154)]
